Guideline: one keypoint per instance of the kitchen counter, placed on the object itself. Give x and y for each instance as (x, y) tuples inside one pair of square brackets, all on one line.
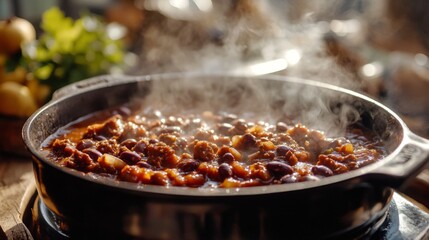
[(16, 176)]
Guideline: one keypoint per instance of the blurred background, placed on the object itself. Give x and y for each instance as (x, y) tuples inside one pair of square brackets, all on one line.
[(379, 48)]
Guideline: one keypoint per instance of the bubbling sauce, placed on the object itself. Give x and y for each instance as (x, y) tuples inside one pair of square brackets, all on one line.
[(207, 149)]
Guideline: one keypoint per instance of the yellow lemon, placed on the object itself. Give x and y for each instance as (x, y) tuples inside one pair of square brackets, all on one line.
[(16, 100), (14, 32)]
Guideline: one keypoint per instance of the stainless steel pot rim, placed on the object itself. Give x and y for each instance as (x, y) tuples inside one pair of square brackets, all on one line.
[(211, 192)]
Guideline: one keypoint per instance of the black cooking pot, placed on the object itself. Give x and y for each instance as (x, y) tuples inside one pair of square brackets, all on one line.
[(342, 206)]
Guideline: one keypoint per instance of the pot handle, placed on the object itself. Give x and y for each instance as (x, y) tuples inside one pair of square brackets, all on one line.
[(102, 80), (410, 159)]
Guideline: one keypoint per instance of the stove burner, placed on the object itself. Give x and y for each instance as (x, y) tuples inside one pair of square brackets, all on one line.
[(46, 223), (405, 221), (402, 221)]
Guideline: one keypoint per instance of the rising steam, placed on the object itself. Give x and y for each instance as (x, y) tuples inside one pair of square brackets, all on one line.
[(239, 34)]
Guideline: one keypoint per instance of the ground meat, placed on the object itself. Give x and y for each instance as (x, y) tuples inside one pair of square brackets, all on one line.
[(161, 155), (110, 128), (207, 149)]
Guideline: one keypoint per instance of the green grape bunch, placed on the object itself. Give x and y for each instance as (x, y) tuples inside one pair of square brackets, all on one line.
[(71, 50)]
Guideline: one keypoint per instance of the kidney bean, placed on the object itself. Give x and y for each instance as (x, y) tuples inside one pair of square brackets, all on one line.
[(188, 165), (281, 127), (224, 128), (245, 142), (85, 143), (288, 179), (100, 138), (227, 158), (321, 170), (129, 143), (225, 171), (225, 149), (143, 164), (93, 153), (240, 124), (282, 150), (140, 147), (227, 118), (279, 169), (248, 140), (130, 157)]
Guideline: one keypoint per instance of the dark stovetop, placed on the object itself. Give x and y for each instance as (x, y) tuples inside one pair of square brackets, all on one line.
[(403, 221)]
